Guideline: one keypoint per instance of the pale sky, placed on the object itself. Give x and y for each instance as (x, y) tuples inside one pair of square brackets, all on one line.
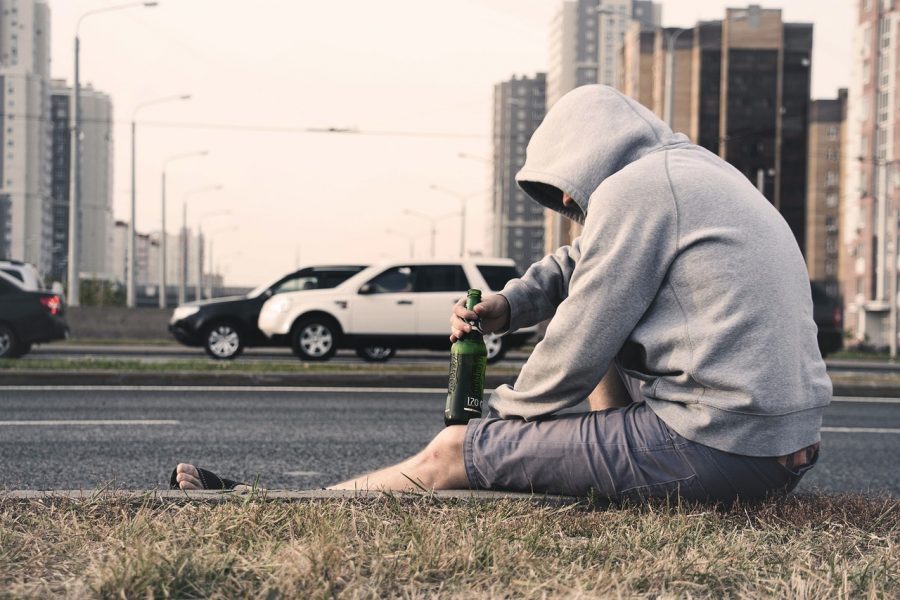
[(261, 71)]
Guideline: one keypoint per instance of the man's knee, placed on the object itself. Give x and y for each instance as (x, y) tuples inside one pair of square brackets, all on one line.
[(443, 457)]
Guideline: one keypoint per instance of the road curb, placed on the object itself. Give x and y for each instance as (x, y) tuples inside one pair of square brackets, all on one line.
[(219, 496)]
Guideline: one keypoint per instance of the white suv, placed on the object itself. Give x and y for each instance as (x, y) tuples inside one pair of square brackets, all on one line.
[(399, 304), (25, 274)]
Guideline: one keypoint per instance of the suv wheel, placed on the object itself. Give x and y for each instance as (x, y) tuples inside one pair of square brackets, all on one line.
[(376, 353), (8, 342), (315, 338), (496, 349), (222, 341)]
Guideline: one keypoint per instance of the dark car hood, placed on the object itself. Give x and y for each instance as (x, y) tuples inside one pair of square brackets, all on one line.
[(215, 301)]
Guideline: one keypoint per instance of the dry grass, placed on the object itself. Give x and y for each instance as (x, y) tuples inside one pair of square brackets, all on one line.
[(801, 547)]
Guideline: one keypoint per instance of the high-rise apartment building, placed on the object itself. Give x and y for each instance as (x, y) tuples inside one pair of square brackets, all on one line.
[(586, 41), (518, 222), (740, 88), (96, 231), (825, 170), (25, 201), (871, 190)]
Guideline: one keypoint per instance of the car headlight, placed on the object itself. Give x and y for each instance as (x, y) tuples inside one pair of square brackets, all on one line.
[(183, 312), (278, 305)]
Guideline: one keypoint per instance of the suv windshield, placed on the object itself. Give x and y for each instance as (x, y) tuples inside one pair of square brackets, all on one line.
[(313, 278), (496, 276)]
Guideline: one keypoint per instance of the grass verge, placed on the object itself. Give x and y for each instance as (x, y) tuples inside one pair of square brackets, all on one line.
[(214, 366), (807, 546)]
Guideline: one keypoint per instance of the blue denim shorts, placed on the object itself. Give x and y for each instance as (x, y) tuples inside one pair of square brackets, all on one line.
[(617, 454)]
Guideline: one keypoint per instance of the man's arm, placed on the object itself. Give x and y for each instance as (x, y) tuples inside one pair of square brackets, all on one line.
[(628, 243)]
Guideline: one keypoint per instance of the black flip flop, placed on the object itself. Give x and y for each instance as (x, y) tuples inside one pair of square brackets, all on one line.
[(210, 480)]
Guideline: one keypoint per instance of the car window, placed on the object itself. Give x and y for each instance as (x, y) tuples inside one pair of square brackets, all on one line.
[(496, 276), (440, 278), (392, 281), (295, 284), (14, 273)]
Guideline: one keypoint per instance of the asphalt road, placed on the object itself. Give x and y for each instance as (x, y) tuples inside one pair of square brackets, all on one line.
[(67, 438)]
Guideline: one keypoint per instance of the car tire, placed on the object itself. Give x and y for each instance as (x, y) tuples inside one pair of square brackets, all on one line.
[(8, 342), (496, 348), (223, 341), (315, 338), (376, 353)]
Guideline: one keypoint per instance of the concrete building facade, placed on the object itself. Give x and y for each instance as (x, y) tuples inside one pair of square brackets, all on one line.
[(871, 190), (824, 177), (518, 222), (586, 46), (96, 231), (25, 201)]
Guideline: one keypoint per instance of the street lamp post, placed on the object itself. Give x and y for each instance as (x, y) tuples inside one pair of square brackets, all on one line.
[(218, 213), (182, 289), (132, 262), (212, 238), (670, 74), (163, 284), (411, 238), (462, 214), (431, 219), (74, 259)]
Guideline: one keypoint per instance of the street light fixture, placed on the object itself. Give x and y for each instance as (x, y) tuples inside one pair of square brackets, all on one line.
[(75, 195), (163, 284), (182, 289), (132, 262)]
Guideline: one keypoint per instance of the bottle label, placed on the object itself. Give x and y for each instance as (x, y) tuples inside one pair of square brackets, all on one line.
[(464, 395)]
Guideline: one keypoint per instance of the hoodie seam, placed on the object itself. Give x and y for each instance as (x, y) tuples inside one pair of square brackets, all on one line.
[(687, 330)]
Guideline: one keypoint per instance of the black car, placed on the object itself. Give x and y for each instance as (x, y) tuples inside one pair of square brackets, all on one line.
[(28, 317), (828, 315), (225, 326)]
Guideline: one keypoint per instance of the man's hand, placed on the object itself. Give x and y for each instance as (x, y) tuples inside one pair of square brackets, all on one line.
[(493, 311)]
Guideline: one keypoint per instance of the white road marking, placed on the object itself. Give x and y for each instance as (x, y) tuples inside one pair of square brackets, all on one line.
[(93, 422), (301, 473), (859, 430)]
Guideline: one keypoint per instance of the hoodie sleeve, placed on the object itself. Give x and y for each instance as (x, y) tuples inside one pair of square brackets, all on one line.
[(629, 241), (545, 284)]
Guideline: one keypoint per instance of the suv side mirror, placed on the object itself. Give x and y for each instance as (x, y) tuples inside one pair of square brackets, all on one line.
[(367, 288)]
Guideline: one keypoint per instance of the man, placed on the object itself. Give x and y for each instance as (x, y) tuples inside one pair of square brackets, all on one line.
[(682, 314)]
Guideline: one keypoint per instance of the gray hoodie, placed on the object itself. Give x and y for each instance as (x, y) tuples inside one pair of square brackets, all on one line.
[(684, 274)]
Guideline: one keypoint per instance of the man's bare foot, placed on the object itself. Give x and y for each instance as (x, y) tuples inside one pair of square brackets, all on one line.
[(189, 477)]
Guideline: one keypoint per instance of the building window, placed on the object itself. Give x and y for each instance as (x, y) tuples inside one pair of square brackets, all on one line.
[(831, 199), (831, 178), (830, 224), (831, 154), (829, 268), (832, 133)]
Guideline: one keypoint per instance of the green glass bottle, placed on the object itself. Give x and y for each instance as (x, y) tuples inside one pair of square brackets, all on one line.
[(468, 360)]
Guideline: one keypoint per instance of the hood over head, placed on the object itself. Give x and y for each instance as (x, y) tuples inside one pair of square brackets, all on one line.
[(588, 135)]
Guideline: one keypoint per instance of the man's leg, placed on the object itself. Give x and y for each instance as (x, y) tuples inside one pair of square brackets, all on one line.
[(610, 392), (439, 466)]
